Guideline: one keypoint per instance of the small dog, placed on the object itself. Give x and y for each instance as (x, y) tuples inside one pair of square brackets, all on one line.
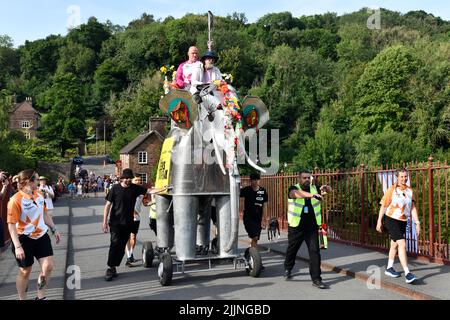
[(272, 229)]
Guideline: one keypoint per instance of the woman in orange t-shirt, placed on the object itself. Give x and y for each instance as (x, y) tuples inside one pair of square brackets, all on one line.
[(398, 204), (28, 223)]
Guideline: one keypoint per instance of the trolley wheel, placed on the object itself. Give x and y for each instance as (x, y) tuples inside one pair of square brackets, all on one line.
[(147, 254), (165, 269), (254, 262)]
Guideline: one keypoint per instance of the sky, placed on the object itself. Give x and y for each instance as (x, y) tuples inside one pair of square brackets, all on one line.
[(36, 19)]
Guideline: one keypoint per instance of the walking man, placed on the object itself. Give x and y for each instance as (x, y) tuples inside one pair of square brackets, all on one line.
[(255, 198), (304, 218), (120, 202)]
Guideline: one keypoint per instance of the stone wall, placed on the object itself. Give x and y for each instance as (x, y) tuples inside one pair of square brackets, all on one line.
[(53, 170)]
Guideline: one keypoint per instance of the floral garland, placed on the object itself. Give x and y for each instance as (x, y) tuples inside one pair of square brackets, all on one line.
[(166, 70), (233, 117)]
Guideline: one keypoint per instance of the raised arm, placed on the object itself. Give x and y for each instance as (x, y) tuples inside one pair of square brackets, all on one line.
[(105, 216)]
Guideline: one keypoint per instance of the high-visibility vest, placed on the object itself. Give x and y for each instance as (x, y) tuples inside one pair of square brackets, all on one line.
[(295, 208), (153, 210)]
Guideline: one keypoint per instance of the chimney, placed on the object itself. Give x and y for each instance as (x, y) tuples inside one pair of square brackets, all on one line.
[(157, 124)]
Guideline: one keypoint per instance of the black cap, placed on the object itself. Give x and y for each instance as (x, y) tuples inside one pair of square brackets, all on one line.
[(255, 176), (127, 174), (210, 54)]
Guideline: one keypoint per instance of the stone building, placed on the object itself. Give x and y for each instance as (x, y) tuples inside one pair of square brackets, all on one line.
[(25, 118), (142, 154)]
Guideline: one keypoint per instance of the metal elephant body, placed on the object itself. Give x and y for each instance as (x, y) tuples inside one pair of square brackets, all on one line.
[(203, 166)]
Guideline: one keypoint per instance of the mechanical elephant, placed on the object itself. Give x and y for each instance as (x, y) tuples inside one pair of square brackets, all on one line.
[(199, 162)]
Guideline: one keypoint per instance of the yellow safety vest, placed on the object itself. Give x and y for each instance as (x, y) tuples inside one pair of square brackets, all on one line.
[(153, 210), (295, 208)]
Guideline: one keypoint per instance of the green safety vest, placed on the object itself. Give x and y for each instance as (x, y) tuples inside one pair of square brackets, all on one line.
[(295, 208), (153, 210)]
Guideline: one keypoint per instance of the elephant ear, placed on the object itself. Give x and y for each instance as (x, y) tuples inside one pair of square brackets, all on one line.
[(254, 113), (180, 107)]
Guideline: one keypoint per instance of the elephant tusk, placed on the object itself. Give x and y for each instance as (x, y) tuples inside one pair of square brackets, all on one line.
[(250, 161), (218, 155)]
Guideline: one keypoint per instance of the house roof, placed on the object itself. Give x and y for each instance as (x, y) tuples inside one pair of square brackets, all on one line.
[(139, 140), (25, 105)]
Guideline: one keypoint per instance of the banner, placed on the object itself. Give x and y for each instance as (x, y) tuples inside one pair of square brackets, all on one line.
[(387, 179), (163, 173)]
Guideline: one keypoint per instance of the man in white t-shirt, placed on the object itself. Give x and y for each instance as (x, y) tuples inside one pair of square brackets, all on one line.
[(47, 191)]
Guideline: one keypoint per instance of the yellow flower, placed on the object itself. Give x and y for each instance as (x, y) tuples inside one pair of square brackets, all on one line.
[(172, 68), (163, 69)]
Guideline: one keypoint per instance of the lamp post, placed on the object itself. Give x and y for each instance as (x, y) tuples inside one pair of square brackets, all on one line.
[(104, 137)]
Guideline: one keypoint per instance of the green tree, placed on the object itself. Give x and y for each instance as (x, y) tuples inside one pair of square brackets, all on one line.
[(389, 147), (90, 35), (78, 60), (134, 106), (325, 150), (64, 124), (382, 102), (109, 78), (9, 61), (6, 103)]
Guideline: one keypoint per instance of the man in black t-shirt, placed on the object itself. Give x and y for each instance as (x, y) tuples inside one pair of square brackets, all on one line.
[(255, 197), (120, 203)]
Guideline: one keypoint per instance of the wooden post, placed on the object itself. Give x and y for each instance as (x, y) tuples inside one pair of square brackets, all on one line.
[(431, 205), (363, 208)]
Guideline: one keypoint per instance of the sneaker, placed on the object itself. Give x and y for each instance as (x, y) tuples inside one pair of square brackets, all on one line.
[(114, 272), (410, 277), (37, 298), (132, 259), (319, 284), (129, 262), (287, 274), (392, 273), (109, 274)]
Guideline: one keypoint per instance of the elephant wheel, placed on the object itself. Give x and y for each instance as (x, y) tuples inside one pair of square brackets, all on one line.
[(165, 269), (254, 262), (147, 254)]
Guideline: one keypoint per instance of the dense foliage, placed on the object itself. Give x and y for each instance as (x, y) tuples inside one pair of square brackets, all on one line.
[(339, 92)]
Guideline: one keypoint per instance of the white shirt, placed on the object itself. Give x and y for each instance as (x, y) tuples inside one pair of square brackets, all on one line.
[(49, 194)]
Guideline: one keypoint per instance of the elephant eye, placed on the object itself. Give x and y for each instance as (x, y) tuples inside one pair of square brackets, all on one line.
[(251, 119)]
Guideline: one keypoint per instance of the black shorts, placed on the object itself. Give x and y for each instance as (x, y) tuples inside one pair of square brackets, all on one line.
[(253, 228), (135, 227), (396, 228), (39, 248)]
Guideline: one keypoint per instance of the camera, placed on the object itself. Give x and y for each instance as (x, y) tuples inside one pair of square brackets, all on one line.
[(3, 176)]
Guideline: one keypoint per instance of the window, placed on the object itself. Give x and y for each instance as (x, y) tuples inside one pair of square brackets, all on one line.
[(27, 134), (143, 177), (25, 124), (142, 157)]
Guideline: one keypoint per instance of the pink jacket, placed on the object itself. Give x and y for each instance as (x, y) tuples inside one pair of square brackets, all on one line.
[(184, 72)]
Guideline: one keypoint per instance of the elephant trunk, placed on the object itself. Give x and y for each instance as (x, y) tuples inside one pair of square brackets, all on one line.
[(234, 205)]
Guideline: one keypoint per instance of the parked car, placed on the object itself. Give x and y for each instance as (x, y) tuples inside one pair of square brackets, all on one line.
[(109, 160), (77, 160)]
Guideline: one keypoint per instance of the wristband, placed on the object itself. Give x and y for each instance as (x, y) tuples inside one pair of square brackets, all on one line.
[(53, 230)]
